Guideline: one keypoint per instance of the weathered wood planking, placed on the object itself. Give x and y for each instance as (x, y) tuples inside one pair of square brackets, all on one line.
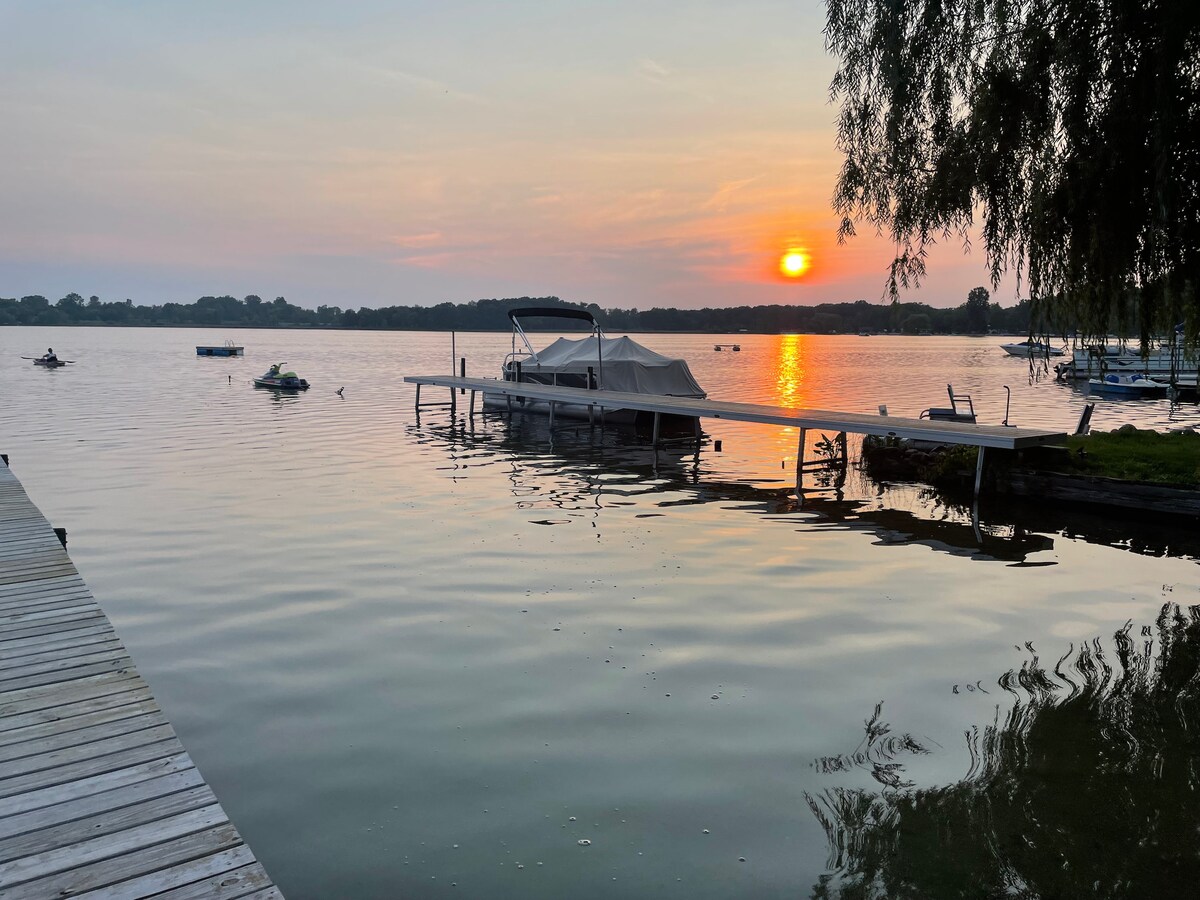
[(97, 797)]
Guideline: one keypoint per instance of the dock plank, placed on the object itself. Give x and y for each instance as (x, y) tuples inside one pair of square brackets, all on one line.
[(97, 796), (967, 434)]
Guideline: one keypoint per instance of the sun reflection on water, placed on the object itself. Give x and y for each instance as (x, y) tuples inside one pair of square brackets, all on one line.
[(789, 368)]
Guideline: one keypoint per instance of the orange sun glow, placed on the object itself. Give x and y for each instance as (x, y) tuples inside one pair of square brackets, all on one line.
[(793, 264)]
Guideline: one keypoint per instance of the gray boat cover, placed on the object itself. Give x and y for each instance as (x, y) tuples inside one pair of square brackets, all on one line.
[(628, 366)]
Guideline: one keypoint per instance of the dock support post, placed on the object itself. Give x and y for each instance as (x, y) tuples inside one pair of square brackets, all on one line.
[(978, 472), (418, 406), (552, 405), (472, 414), (800, 463), (657, 422)]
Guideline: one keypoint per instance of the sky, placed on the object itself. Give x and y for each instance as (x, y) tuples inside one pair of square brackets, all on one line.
[(629, 154)]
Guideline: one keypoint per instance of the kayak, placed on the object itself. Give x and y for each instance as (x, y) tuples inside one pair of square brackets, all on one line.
[(49, 363)]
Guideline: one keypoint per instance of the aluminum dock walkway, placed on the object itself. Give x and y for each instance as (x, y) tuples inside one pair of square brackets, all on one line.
[(967, 434), (98, 798)]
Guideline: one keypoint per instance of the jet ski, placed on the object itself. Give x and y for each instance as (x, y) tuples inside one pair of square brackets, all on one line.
[(276, 379)]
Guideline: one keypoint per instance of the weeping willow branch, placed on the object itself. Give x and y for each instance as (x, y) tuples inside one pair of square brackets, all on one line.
[(1059, 131)]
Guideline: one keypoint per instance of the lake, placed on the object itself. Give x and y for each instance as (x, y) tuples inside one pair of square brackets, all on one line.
[(446, 658)]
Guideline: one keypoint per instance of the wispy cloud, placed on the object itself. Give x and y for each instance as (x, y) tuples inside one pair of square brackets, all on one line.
[(719, 201), (386, 74), (418, 240), (653, 70)]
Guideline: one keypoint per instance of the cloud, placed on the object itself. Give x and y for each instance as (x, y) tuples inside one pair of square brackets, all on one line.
[(417, 240), (719, 201), (655, 71)]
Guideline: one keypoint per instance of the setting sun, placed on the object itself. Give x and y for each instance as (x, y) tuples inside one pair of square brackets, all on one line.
[(793, 264)]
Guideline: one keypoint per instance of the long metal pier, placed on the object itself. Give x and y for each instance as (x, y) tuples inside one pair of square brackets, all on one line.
[(946, 432), (98, 798)]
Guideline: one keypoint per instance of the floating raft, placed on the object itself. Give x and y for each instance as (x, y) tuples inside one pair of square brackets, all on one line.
[(228, 349), (98, 798)]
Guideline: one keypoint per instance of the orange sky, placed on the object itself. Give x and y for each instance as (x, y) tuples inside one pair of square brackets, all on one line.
[(620, 153)]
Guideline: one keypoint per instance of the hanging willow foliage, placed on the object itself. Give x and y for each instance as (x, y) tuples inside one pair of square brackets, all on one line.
[(1068, 129)]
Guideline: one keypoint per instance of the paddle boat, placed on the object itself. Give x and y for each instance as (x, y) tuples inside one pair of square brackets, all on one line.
[(1123, 385), (49, 360), (276, 379)]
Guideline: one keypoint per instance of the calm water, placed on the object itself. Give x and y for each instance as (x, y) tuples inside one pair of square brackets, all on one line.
[(425, 659)]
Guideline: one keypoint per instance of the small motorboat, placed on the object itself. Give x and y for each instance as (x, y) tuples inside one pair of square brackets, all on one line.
[(1128, 386), (1026, 349), (276, 379)]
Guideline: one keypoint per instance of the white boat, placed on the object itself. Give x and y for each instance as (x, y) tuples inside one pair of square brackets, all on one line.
[(1164, 362), (595, 362), (1127, 386), (1026, 349)]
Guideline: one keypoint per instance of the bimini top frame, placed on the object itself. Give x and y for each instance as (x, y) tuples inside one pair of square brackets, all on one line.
[(553, 312)]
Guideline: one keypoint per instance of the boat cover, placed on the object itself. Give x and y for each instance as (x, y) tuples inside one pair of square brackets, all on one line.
[(628, 366)]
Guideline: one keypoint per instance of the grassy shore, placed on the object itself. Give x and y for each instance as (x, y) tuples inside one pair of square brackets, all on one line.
[(1133, 455), (1127, 454)]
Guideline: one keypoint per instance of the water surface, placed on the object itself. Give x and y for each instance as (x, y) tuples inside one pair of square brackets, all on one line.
[(429, 656)]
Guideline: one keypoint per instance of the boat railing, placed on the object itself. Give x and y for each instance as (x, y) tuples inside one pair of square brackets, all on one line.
[(513, 362)]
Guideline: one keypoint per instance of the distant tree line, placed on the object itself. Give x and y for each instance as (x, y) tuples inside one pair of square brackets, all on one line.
[(976, 316)]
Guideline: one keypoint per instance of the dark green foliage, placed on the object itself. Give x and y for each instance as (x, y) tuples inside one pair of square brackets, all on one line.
[(491, 315), (1068, 126), (977, 310)]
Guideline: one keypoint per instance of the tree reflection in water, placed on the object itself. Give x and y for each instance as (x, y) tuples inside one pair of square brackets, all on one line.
[(1089, 787)]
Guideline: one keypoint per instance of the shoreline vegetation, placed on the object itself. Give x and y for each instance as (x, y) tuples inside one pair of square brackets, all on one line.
[(977, 315), (1129, 468)]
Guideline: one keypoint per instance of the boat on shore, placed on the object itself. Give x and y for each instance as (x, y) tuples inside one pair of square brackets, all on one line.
[(1026, 349), (594, 362), (276, 379)]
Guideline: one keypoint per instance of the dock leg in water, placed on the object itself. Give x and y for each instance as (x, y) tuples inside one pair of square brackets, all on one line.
[(800, 464), (978, 472)]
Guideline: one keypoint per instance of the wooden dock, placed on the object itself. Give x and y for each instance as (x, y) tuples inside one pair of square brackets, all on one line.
[(98, 798), (934, 431)]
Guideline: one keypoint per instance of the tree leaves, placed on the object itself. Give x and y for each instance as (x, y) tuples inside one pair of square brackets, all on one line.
[(1061, 130)]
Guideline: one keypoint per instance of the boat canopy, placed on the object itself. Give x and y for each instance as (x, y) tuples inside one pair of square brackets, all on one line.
[(551, 312), (627, 366)]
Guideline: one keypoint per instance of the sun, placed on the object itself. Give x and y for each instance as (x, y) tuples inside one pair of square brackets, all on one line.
[(793, 263)]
